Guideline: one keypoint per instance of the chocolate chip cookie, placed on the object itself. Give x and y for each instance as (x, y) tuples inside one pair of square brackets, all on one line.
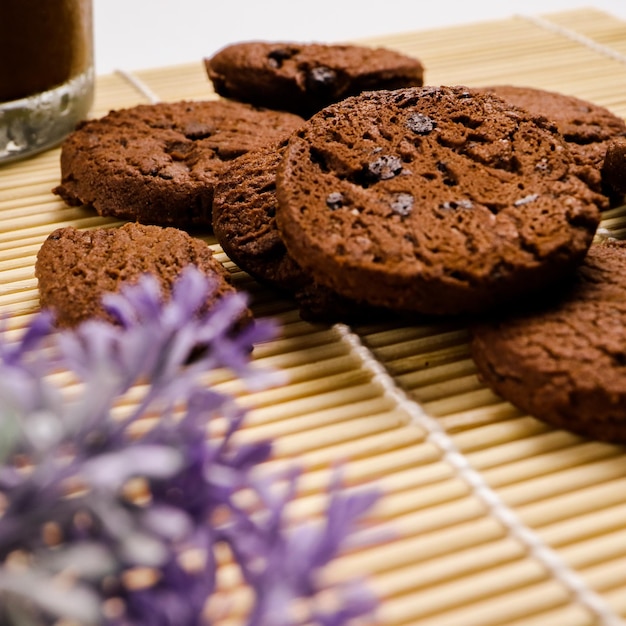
[(158, 163), (75, 268), (439, 200), (305, 77), (565, 362)]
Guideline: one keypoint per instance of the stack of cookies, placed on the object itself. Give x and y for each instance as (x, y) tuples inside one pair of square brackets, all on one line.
[(158, 165), (334, 174)]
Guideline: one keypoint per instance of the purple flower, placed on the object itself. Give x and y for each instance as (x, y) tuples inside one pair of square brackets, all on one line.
[(283, 564), (84, 488)]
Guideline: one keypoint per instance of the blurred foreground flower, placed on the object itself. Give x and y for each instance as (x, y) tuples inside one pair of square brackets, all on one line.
[(112, 510)]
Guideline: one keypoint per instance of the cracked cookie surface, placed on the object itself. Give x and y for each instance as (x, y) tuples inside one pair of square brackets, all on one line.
[(565, 361), (158, 163), (75, 268), (588, 128), (439, 200)]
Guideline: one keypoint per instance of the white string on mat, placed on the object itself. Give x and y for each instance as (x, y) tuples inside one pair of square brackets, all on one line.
[(507, 517), (139, 85), (588, 42)]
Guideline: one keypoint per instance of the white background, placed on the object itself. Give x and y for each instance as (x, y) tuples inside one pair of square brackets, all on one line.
[(137, 34)]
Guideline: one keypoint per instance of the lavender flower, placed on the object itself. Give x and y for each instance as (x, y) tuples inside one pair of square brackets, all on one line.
[(98, 518), (282, 564)]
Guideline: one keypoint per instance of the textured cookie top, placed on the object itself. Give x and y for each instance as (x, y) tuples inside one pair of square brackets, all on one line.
[(75, 268), (565, 362), (304, 77), (586, 126), (437, 200), (158, 163)]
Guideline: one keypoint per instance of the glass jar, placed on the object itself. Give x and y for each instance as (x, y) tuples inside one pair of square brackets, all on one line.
[(46, 72)]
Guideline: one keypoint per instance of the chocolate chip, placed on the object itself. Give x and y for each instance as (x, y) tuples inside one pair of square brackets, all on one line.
[(334, 200), (276, 57), (321, 78), (420, 124), (402, 204), (385, 167)]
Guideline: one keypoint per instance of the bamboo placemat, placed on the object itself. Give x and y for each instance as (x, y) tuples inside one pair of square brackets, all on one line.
[(497, 518)]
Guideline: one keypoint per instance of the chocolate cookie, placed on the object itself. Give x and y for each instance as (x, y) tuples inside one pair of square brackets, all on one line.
[(614, 170), (588, 128), (437, 200), (75, 268), (565, 362), (158, 163), (244, 209), (305, 77)]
